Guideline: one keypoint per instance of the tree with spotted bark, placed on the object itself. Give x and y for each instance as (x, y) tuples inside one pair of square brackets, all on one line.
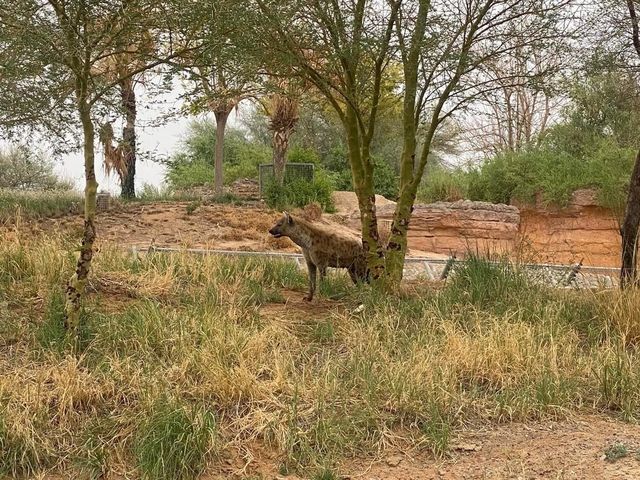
[(51, 58), (345, 48), (631, 220)]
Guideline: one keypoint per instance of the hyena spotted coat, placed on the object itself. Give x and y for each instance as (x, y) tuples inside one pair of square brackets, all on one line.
[(322, 248)]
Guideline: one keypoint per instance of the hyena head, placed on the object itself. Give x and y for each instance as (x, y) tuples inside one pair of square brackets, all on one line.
[(283, 226)]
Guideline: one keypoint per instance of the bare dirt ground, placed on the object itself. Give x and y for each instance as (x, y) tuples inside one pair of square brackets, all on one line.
[(188, 225), (172, 224), (566, 450)]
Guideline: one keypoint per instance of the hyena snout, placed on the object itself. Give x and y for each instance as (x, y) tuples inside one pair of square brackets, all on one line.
[(275, 231)]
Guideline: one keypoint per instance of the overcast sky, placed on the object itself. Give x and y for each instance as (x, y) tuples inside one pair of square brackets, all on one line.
[(160, 140)]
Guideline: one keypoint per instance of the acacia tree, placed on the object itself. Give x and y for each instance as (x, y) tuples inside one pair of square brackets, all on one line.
[(52, 49), (344, 49), (631, 220)]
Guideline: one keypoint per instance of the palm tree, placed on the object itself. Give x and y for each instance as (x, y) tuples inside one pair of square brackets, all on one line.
[(283, 117), (122, 159)]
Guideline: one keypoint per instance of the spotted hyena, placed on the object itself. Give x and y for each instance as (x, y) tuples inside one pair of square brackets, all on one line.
[(322, 248)]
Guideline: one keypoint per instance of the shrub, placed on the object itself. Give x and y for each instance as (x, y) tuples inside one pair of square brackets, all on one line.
[(184, 175), (442, 184), (299, 192), (24, 169)]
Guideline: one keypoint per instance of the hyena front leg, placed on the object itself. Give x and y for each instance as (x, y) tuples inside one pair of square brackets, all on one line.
[(312, 280), (353, 273)]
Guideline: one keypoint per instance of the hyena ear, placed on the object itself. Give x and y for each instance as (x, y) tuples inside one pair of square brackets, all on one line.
[(288, 218)]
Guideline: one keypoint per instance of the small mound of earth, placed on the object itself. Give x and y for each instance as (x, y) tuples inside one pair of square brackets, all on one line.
[(346, 203)]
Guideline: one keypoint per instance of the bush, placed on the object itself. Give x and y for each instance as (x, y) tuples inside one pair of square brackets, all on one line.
[(441, 184), (193, 165), (385, 180), (184, 175), (23, 169), (298, 192)]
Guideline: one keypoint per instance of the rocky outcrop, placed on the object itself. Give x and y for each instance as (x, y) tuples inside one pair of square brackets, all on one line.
[(346, 203), (445, 227), (581, 231)]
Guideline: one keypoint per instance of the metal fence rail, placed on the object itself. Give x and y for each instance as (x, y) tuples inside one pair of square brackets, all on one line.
[(561, 276)]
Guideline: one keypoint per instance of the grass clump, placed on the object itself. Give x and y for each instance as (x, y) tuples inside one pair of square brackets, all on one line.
[(28, 204), (173, 442), (615, 452)]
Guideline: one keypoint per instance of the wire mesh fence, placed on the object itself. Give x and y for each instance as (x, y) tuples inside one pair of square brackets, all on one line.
[(292, 172)]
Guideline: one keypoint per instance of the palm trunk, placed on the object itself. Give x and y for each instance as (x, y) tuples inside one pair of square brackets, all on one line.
[(629, 229), (221, 125), (129, 138), (280, 147), (76, 284)]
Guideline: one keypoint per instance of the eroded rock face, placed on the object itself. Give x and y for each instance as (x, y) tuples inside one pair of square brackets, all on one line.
[(581, 231), (457, 227), (568, 235)]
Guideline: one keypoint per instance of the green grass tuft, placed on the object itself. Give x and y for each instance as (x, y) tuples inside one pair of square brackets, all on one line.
[(173, 442)]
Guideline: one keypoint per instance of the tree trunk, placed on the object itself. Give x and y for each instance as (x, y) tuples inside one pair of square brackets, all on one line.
[(362, 172), (221, 125), (629, 229), (76, 284), (129, 138), (397, 246), (280, 146)]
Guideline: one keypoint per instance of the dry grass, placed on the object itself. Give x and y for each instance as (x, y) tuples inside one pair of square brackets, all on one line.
[(178, 359)]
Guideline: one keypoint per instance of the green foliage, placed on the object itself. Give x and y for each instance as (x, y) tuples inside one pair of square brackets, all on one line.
[(442, 184), (183, 175), (555, 174), (297, 154), (298, 192), (385, 179), (192, 166), (616, 451), (486, 283), (21, 168), (594, 147), (173, 441)]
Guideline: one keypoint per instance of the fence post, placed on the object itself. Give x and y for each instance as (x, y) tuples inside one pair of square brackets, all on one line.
[(447, 267)]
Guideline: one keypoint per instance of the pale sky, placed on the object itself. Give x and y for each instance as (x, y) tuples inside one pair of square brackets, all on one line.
[(161, 140)]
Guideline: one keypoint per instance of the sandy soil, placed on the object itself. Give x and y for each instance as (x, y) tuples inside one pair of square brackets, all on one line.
[(568, 450), (173, 224)]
